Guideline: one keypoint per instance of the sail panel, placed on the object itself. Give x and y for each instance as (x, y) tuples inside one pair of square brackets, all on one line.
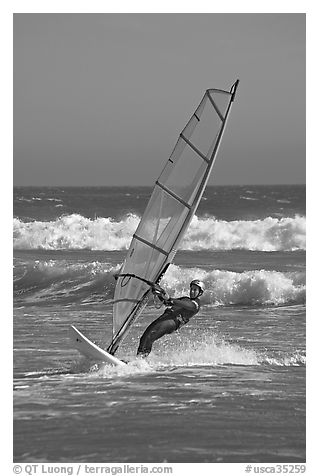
[(220, 98), (143, 262), (183, 171), (207, 128), (161, 215)]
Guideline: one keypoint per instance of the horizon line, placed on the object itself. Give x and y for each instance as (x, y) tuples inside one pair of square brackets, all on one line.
[(152, 185)]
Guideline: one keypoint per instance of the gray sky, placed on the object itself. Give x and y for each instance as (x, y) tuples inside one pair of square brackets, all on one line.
[(99, 99)]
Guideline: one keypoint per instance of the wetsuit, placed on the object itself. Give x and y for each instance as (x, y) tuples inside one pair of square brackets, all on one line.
[(175, 316)]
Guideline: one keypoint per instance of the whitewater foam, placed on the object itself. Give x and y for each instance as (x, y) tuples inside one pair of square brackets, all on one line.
[(209, 351), (77, 232), (257, 287), (90, 282), (270, 234)]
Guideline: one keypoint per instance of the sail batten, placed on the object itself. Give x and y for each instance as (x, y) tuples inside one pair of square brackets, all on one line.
[(172, 194), (194, 148), (171, 207), (215, 106), (147, 243)]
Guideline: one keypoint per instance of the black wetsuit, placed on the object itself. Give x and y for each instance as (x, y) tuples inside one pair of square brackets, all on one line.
[(172, 319)]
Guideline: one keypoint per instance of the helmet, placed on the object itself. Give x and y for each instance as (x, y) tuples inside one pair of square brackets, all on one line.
[(199, 284)]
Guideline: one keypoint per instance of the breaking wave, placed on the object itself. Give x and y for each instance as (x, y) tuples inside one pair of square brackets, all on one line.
[(73, 232), (52, 281), (256, 287)]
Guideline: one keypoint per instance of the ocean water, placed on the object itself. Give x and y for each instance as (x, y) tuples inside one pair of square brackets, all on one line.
[(228, 387)]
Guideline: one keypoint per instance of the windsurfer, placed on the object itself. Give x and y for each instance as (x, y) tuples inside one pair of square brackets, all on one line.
[(177, 313)]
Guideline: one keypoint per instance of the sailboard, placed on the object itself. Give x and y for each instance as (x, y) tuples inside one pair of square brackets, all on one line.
[(91, 350), (171, 207)]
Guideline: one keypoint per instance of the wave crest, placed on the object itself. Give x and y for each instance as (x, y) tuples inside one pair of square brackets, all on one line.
[(77, 232), (270, 234), (49, 281), (256, 287)]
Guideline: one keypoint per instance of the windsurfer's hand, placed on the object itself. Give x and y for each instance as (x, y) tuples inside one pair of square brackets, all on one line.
[(165, 296), (157, 290), (160, 293)]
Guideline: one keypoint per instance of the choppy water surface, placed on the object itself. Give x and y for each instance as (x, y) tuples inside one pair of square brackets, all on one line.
[(215, 392), (229, 387)]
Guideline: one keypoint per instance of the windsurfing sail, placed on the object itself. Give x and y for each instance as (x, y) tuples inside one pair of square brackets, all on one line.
[(173, 202)]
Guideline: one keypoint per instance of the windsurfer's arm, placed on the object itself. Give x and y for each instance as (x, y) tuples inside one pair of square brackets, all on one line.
[(185, 303), (188, 304)]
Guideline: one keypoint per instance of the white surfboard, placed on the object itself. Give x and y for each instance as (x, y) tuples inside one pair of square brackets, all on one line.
[(91, 350)]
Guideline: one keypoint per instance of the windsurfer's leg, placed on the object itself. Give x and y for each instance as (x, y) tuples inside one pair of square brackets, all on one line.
[(155, 331)]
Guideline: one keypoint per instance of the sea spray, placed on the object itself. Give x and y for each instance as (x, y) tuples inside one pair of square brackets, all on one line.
[(209, 349), (205, 350)]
